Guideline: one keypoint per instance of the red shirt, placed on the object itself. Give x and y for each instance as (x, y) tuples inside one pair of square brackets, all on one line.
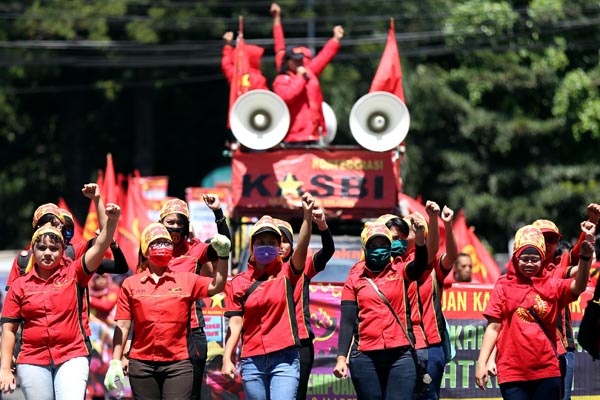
[(524, 352), (160, 312), (192, 247), (190, 264), (53, 332), (378, 328), (269, 315), (433, 318), (303, 97)]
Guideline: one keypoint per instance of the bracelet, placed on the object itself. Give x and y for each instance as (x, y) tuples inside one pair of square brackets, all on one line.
[(585, 258)]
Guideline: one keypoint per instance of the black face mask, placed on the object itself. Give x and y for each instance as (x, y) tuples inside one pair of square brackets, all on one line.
[(177, 234)]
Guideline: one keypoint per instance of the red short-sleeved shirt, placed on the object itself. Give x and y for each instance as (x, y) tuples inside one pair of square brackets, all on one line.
[(199, 250), (378, 328), (160, 312), (269, 315), (52, 328), (189, 264), (432, 316), (524, 351)]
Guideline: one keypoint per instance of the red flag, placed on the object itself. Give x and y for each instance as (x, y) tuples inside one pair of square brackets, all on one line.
[(78, 231), (485, 268), (109, 187), (388, 77), (134, 219), (91, 221), (240, 82)]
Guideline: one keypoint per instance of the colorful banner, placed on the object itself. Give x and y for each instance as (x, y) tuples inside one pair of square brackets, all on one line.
[(154, 192), (356, 182)]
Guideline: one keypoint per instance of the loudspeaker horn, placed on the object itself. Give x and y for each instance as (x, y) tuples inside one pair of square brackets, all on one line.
[(330, 124), (259, 119), (379, 121)]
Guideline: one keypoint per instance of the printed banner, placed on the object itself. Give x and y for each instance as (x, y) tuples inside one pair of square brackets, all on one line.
[(356, 181)]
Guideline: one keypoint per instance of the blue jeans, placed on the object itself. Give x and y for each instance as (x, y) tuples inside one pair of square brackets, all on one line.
[(66, 381), (570, 357), (272, 376), (383, 374), (436, 363), (540, 389)]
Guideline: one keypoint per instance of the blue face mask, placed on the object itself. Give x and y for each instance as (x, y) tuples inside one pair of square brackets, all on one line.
[(378, 258), (265, 255), (69, 235), (399, 247)]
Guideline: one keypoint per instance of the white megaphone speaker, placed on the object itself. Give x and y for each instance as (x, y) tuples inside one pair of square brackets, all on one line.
[(379, 121), (259, 119), (330, 124)]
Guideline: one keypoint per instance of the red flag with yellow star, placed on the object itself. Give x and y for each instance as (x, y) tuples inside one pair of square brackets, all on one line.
[(240, 82)]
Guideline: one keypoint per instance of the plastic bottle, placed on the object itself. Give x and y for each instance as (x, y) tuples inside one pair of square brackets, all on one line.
[(119, 392)]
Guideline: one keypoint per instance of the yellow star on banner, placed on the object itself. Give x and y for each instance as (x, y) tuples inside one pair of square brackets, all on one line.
[(217, 300), (290, 186)]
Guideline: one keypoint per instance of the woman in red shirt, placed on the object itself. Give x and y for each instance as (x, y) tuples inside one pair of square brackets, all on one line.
[(193, 255), (521, 315), (53, 361), (314, 264), (261, 312), (384, 365), (157, 301)]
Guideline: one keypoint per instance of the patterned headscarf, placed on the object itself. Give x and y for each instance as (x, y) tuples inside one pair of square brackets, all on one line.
[(44, 230), (152, 232), (48, 208), (372, 230), (175, 206)]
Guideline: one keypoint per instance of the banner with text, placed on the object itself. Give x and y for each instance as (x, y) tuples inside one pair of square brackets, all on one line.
[(361, 183)]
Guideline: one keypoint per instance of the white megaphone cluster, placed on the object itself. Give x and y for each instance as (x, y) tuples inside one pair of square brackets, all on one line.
[(379, 121)]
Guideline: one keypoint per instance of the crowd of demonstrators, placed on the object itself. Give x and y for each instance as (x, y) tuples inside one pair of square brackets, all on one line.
[(392, 332), (522, 314), (47, 300), (262, 312)]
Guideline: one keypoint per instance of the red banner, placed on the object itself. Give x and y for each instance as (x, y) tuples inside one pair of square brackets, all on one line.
[(354, 183)]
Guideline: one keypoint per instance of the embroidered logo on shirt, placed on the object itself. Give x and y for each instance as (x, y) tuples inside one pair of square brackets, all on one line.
[(176, 289), (541, 308)]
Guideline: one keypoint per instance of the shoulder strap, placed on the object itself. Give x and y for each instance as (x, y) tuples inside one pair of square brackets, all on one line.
[(70, 251), (387, 303), (539, 321), (23, 260), (251, 289)]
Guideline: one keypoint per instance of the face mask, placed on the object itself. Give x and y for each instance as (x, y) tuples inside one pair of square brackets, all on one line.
[(176, 234), (266, 254), (69, 235), (399, 247), (161, 256), (378, 258)]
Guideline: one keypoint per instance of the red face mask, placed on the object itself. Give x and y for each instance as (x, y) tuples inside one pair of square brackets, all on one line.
[(161, 256)]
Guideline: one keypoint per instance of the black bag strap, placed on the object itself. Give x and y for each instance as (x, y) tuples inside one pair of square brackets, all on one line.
[(387, 303), (251, 289), (539, 321)]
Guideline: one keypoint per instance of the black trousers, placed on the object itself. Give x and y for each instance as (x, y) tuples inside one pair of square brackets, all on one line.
[(152, 380), (307, 358)]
